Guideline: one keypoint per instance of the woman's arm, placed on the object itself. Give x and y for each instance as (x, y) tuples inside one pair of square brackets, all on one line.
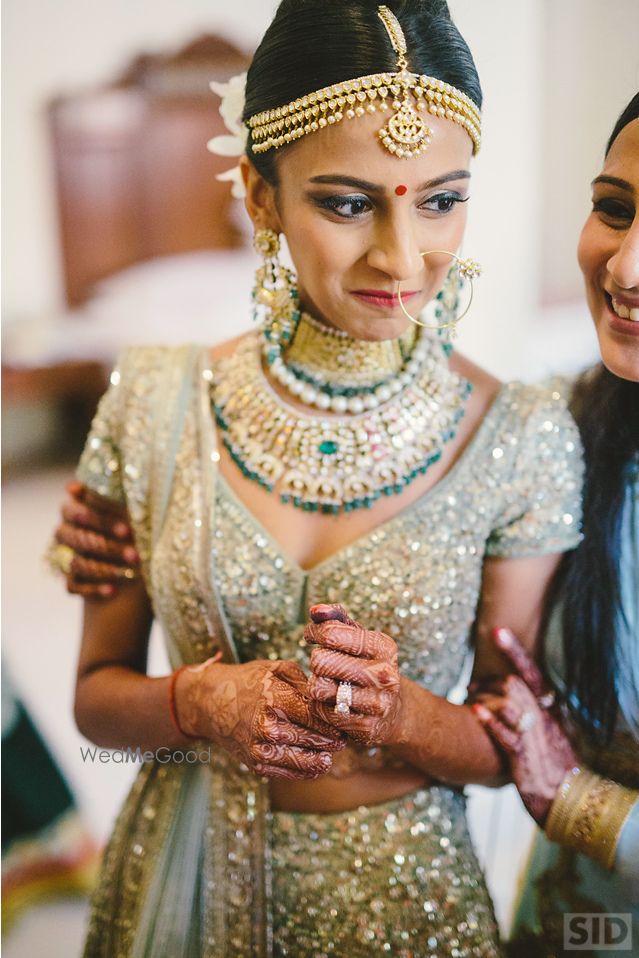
[(444, 740), (579, 809), (258, 711), (116, 703), (97, 533)]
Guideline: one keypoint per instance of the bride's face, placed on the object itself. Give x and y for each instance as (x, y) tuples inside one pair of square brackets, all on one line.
[(356, 219)]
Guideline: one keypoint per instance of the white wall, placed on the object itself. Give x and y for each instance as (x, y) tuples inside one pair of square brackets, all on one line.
[(505, 179), (51, 48), (555, 74), (590, 71)]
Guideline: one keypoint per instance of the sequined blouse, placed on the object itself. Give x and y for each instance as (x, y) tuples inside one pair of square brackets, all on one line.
[(212, 570), (514, 492)]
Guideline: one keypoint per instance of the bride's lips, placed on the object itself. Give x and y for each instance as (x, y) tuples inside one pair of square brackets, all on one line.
[(381, 298), (622, 324)]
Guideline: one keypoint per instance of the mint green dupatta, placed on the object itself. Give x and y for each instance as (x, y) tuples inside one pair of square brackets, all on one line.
[(186, 871)]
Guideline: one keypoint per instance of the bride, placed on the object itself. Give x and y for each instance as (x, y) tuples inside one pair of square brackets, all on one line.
[(342, 459)]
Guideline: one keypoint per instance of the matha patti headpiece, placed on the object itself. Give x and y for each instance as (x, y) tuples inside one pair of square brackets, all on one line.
[(405, 135)]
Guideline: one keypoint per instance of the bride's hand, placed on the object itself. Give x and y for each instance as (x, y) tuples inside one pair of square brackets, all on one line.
[(260, 712), (367, 660)]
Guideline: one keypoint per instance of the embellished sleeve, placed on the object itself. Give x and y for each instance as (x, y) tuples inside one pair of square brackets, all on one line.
[(101, 462), (540, 489)]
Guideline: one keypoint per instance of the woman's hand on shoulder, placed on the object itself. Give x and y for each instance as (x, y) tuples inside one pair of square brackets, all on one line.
[(366, 661), (520, 714), (100, 537), (261, 713)]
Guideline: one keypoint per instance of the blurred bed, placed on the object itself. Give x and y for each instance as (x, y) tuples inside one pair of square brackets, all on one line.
[(152, 246)]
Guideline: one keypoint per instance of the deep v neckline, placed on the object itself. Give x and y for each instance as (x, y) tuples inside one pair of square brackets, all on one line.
[(438, 489)]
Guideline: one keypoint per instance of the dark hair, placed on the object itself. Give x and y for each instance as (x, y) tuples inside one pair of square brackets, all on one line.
[(629, 114), (606, 409), (315, 43)]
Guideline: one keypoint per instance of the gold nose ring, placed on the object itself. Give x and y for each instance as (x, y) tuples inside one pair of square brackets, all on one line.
[(468, 268)]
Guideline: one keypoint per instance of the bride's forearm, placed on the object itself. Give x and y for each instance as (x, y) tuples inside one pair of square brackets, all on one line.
[(117, 707), (443, 739)]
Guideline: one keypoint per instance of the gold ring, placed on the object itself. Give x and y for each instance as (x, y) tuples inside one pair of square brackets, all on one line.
[(60, 558)]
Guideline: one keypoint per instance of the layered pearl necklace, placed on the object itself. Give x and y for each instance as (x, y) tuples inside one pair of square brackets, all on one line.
[(389, 409)]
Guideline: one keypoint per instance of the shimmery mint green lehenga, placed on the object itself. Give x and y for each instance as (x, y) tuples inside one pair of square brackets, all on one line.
[(197, 864)]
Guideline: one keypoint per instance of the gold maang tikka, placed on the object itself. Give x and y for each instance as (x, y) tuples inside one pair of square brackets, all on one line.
[(405, 135)]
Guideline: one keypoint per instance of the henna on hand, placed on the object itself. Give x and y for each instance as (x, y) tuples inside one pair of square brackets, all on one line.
[(348, 652), (422, 729), (539, 756), (98, 532), (261, 713)]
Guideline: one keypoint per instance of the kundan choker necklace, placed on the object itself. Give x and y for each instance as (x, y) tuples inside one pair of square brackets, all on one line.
[(337, 364), (332, 371), (398, 405)]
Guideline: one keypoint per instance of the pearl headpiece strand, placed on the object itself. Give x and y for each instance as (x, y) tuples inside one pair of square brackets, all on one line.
[(405, 135)]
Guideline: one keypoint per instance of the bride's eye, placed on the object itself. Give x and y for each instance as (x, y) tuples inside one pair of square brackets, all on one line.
[(347, 207), (442, 203)]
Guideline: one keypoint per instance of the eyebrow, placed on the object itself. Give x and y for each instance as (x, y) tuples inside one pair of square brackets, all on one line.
[(337, 179), (614, 181)]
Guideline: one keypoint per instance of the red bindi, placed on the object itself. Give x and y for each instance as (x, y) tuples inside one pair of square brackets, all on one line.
[(401, 189)]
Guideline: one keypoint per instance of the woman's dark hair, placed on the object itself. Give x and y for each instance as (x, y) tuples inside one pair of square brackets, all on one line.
[(606, 409), (312, 44), (629, 114)]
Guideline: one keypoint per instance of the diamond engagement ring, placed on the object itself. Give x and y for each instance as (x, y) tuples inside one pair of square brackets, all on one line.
[(344, 699), (527, 721)]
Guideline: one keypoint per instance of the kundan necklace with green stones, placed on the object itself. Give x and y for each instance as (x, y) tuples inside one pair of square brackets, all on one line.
[(401, 406)]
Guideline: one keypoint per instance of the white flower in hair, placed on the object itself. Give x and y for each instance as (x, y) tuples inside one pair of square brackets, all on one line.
[(233, 95)]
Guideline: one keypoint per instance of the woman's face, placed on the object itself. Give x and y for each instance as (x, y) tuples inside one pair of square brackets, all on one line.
[(609, 255), (356, 219)]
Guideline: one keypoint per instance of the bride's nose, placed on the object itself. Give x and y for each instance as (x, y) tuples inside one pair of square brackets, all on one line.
[(395, 250)]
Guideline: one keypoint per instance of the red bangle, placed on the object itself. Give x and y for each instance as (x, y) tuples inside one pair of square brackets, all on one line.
[(172, 708)]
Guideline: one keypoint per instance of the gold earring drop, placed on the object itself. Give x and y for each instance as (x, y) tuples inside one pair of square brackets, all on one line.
[(275, 296)]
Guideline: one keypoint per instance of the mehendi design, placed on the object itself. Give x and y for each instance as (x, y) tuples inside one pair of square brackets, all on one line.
[(98, 532), (260, 713), (540, 756), (347, 652)]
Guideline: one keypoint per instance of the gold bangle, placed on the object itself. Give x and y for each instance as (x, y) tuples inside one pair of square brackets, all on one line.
[(611, 823), (588, 814), (555, 826), (59, 558)]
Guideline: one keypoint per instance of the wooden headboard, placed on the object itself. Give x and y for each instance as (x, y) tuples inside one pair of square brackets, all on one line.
[(133, 176)]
